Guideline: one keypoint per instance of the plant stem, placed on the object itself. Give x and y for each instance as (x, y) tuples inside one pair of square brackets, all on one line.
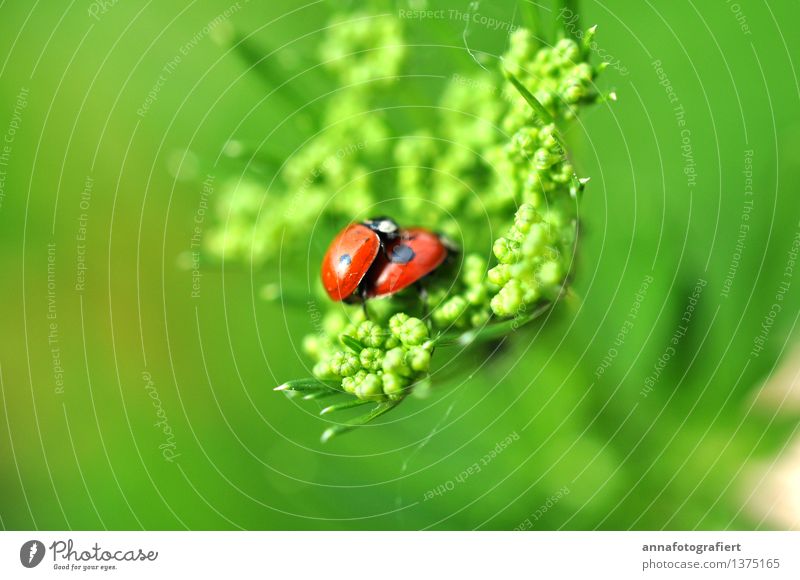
[(490, 331), (359, 421)]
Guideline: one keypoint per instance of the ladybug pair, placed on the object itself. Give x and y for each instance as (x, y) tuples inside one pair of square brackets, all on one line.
[(376, 258)]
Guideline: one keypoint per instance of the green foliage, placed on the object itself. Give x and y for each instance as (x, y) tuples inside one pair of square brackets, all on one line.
[(691, 454), (525, 166), (491, 158)]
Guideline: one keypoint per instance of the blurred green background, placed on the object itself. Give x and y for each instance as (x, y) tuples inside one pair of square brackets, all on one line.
[(91, 360)]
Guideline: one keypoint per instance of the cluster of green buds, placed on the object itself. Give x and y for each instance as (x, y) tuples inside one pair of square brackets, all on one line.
[(379, 363), (491, 160), (331, 173), (465, 305), (531, 265), (537, 170), (560, 77), (253, 223), (364, 47)]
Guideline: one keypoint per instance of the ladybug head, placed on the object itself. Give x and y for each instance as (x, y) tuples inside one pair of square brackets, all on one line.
[(383, 226)]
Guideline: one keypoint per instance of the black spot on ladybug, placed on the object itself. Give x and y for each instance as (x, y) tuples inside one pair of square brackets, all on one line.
[(402, 254), (345, 260)]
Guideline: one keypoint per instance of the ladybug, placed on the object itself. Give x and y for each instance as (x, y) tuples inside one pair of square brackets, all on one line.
[(375, 258), (351, 255), (409, 257)]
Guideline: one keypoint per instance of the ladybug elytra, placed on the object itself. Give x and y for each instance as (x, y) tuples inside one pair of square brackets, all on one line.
[(414, 254), (352, 253), (376, 258)]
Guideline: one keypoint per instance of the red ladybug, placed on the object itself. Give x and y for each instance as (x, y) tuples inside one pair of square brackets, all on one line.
[(376, 258), (411, 256), (352, 253)]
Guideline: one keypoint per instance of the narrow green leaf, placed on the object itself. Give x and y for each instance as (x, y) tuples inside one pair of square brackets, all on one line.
[(538, 107), (308, 385), (320, 394), (359, 421), (344, 406), (352, 343)]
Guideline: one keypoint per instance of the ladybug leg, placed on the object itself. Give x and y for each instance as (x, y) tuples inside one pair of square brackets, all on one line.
[(359, 297), (362, 293)]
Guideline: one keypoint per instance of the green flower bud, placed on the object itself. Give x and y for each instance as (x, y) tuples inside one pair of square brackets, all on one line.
[(515, 236), (394, 386), (567, 50), (344, 364), (583, 72), (370, 388), (349, 384), (499, 275), (550, 273), (370, 334), (413, 332), (564, 176), (505, 250), (523, 142), (530, 291), (419, 359), (525, 216), (322, 370), (396, 323), (508, 301), (545, 159), (535, 241), (394, 361), (449, 312), (476, 295), (548, 137), (574, 93), (371, 359), (474, 270), (479, 318)]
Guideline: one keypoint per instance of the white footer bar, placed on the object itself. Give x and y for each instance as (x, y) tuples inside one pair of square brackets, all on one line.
[(390, 555)]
